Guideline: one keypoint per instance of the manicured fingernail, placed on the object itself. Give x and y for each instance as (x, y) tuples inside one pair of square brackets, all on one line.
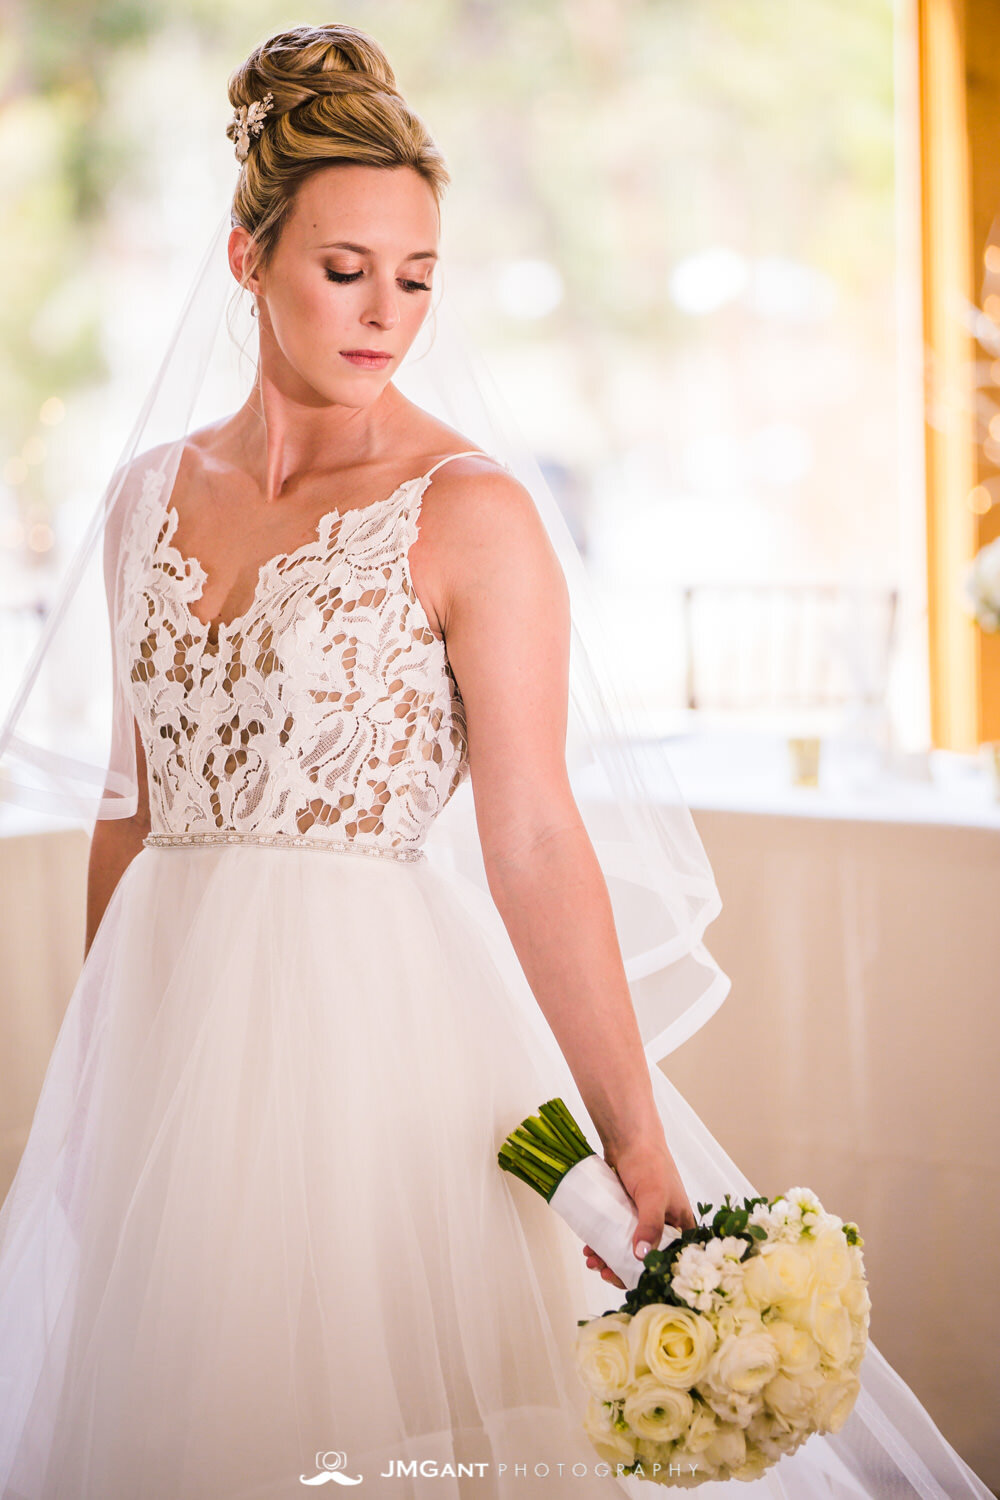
[(642, 1249)]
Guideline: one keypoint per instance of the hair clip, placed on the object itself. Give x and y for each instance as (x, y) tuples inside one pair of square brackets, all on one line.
[(249, 120)]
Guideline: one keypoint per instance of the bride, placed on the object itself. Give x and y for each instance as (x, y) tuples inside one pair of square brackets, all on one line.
[(259, 1235)]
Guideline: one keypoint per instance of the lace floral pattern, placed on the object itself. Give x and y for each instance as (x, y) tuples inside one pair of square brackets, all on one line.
[(328, 707)]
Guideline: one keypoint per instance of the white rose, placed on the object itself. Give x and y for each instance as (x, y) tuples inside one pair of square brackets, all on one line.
[(657, 1411), (602, 1355), (612, 1444), (745, 1362), (673, 1343)]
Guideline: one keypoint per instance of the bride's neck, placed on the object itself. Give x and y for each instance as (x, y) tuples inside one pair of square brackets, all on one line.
[(281, 444)]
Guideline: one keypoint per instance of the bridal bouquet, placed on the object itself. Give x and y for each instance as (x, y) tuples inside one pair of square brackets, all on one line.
[(740, 1337)]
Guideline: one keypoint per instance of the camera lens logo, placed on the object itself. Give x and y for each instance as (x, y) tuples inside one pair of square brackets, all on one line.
[(330, 1466)]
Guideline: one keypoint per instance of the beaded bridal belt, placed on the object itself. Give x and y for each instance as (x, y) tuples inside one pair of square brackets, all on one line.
[(282, 841)]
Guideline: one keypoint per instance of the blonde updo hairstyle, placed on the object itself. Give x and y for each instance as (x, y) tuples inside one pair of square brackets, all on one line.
[(335, 100)]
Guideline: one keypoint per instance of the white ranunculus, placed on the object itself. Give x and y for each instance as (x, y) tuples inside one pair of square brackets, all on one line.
[(754, 1466), (649, 1453), (829, 1322), (796, 1346), (612, 1444), (701, 1427), (657, 1411), (728, 1446), (745, 1362), (689, 1469), (673, 1343), (603, 1359), (857, 1301), (780, 1273), (729, 1405), (835, 1401), (794, 1399), (769, 1433), (831, 1261), (726, 1321)]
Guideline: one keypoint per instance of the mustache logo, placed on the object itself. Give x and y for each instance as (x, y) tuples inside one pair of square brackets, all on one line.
[(330, 1466)]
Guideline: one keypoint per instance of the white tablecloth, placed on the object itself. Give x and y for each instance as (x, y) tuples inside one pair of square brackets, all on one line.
[(856, 1051)]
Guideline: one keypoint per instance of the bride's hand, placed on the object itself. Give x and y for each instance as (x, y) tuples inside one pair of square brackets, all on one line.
[(649, 1175)]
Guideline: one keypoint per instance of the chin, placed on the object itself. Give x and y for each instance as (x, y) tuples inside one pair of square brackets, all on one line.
[(358, 395)]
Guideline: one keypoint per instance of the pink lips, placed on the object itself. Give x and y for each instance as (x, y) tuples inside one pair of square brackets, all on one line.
[(367, 359)]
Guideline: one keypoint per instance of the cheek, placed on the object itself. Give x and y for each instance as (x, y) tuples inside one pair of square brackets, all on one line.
[(306, 317), (413, 313)]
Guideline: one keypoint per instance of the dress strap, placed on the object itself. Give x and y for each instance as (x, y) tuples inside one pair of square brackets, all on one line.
[(469, 453)]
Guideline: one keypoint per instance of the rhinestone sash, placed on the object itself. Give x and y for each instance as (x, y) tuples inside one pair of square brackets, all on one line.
[(283, 841)]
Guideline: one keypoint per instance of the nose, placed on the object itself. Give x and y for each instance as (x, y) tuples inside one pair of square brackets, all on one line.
[(382, 309)]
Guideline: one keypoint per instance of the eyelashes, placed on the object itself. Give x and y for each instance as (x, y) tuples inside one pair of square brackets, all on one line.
[(409, 286)]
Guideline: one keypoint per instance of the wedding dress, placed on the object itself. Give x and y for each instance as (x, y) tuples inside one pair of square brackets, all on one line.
[(259, 1233)]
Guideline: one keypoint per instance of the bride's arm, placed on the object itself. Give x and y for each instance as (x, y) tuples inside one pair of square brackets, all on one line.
[(115, 842), (506, 619)]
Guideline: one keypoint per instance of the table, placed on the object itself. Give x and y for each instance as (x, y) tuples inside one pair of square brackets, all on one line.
[(856, 1051)]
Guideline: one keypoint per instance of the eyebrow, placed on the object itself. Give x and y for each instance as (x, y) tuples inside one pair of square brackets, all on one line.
[(366, 250)]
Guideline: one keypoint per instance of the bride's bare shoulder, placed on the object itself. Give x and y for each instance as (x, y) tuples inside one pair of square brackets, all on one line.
[(474, 492), (187, 461)]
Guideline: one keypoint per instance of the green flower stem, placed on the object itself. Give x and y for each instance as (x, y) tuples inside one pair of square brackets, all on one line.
[(543, 1147)]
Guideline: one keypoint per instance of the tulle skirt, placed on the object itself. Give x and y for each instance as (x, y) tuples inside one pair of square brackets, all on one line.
[(259, 1233)]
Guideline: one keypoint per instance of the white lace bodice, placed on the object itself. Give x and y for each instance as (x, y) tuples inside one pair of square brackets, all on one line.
[(327, 709)]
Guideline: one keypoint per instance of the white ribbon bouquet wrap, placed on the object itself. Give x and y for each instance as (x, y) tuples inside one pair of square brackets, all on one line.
[(549, 1152), (591, 1199)]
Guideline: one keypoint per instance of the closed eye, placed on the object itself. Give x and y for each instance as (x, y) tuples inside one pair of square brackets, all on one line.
[(410, 286)]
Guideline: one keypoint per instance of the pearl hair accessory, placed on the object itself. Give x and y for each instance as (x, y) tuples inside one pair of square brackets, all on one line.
[(249, 120)]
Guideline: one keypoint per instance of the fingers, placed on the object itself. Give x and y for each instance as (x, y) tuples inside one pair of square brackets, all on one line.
[(649, 1230), (682, 1215), (652, 1216), (594, 1263)]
